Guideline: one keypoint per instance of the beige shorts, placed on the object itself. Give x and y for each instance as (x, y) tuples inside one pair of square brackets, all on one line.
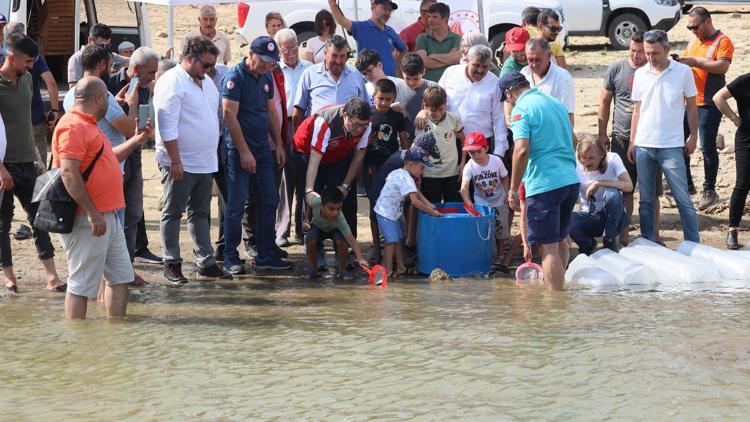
[(502, 230), (92, 258)]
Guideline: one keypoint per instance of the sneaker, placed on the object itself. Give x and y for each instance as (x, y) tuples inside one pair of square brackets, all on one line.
[(250, 252), (214, 271), (273, 264), (145, 256), (219, 254), (282, 242), (610, 243), (281, 253), (23, 232), (235, 269), (732, 242), (173, 273), (708, 198)]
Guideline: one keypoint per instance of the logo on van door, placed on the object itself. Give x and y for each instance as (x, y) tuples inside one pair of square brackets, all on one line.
[(464, 21)]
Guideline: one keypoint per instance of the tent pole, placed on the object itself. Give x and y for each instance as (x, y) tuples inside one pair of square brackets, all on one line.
[(480, 7), (170, 29), (77, 20)]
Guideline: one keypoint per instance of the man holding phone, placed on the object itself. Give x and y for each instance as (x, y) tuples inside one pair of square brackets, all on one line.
[(139, 76)]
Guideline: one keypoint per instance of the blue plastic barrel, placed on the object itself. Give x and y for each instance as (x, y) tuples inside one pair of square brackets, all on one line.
[(458, 243)]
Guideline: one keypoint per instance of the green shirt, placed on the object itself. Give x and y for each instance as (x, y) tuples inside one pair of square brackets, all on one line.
[(509, 65), (431, 45), (15, 108), (325, 224)]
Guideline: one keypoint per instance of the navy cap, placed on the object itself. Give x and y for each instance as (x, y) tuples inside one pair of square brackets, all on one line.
[(393, 5), (508, 80), (426, 141), (266, 48), (3, 19), (419, 155)]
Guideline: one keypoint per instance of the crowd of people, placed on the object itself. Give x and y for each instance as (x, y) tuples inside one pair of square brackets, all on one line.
[(292, 135)]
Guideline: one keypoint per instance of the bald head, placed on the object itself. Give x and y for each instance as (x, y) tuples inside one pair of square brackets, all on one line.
[(91, 96)]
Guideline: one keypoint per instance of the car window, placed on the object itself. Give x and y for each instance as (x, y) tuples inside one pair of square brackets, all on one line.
[(115, 13)]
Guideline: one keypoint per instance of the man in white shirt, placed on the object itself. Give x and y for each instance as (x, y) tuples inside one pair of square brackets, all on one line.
[(99, 34), (187, 134), (661, 91), (293, 67), (474, 95), (207, 29), (548, 77)]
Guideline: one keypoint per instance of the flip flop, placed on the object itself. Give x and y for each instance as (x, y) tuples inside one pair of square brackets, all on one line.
[(23, 232), (59, 289)]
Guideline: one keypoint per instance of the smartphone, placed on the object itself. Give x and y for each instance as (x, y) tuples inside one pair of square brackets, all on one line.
[(133, 83), (143, 112), (675, 57)]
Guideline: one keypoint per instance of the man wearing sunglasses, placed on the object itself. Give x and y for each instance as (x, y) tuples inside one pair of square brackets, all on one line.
[(709, 56), (548, 27), (100, 34), (413, 31)]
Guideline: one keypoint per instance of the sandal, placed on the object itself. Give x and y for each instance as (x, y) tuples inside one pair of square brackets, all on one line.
[(345, 275), (62, 288)]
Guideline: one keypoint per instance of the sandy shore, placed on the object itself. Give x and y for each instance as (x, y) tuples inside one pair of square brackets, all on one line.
[(588, 58)]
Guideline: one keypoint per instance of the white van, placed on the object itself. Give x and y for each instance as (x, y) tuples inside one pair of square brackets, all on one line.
[(300, 16)]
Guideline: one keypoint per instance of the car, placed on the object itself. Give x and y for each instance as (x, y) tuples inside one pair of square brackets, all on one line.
[(619, 19), (300, 15)]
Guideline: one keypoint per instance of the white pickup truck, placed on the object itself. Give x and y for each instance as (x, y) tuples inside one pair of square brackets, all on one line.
[(299, 15), (616, 19)]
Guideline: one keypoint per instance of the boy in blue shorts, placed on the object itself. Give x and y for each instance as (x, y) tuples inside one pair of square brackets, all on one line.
[(398, 186), (329, 223)]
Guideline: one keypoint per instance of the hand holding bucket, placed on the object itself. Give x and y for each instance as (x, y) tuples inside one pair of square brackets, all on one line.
[(377, 275), (529, 273)]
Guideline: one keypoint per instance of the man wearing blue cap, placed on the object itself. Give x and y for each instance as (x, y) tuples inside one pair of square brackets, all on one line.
[(543, 156), (374, 33), (250, 115)]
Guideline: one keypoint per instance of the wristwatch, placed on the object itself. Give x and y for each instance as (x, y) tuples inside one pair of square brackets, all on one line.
[(346, 186), (513, 194)]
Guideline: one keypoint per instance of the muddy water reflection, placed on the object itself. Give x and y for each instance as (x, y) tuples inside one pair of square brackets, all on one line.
[(462, 349)]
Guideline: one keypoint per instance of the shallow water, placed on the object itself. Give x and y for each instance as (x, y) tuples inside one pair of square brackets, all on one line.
[(474, 349)]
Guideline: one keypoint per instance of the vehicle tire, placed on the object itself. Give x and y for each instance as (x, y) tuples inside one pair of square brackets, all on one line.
[(686, 8), (622, 27), (303, 36)]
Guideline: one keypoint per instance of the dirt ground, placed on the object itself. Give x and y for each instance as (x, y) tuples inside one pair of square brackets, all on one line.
[(588, 58)]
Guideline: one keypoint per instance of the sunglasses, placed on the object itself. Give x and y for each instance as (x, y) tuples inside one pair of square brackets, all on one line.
[(554, 28), (696, 26), (654, 36), (206, 66)]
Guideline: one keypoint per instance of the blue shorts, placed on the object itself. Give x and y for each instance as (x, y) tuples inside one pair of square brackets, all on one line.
[(315, 234), (548, 215), (390, 229)]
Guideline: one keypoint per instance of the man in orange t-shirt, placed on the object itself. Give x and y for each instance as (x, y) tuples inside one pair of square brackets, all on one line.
[(709, 55), (96, 247)]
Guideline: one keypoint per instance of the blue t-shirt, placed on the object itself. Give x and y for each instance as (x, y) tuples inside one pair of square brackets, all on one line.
[(368, 35), (544, 121), (37, 107), (114, 112), (252, 94)]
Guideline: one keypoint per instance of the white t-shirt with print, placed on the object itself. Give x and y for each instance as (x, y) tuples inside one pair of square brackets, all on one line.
[(398, 185), (488, 187), (615, 168), (445, 136)]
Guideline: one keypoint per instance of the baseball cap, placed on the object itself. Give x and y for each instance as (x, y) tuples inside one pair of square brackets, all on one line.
[(475, 141), (3, 19), (419, 155), (393, 5), (125, 45), (508, 80), (426, 141), (515, 39), (266, 48)]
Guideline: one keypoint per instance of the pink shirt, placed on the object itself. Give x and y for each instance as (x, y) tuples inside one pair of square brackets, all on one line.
[(410, 33)]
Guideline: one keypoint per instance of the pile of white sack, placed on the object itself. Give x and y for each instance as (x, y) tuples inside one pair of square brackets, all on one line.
[(646, 264)]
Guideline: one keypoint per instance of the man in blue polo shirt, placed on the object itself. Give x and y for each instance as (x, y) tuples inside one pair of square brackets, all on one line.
[(374, 33), (544, 157), (250, 115)]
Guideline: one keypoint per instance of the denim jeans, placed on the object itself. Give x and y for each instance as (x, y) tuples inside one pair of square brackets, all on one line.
[(672, 163), (239, 184), (709, 118), (24, 178), (610, 220)]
